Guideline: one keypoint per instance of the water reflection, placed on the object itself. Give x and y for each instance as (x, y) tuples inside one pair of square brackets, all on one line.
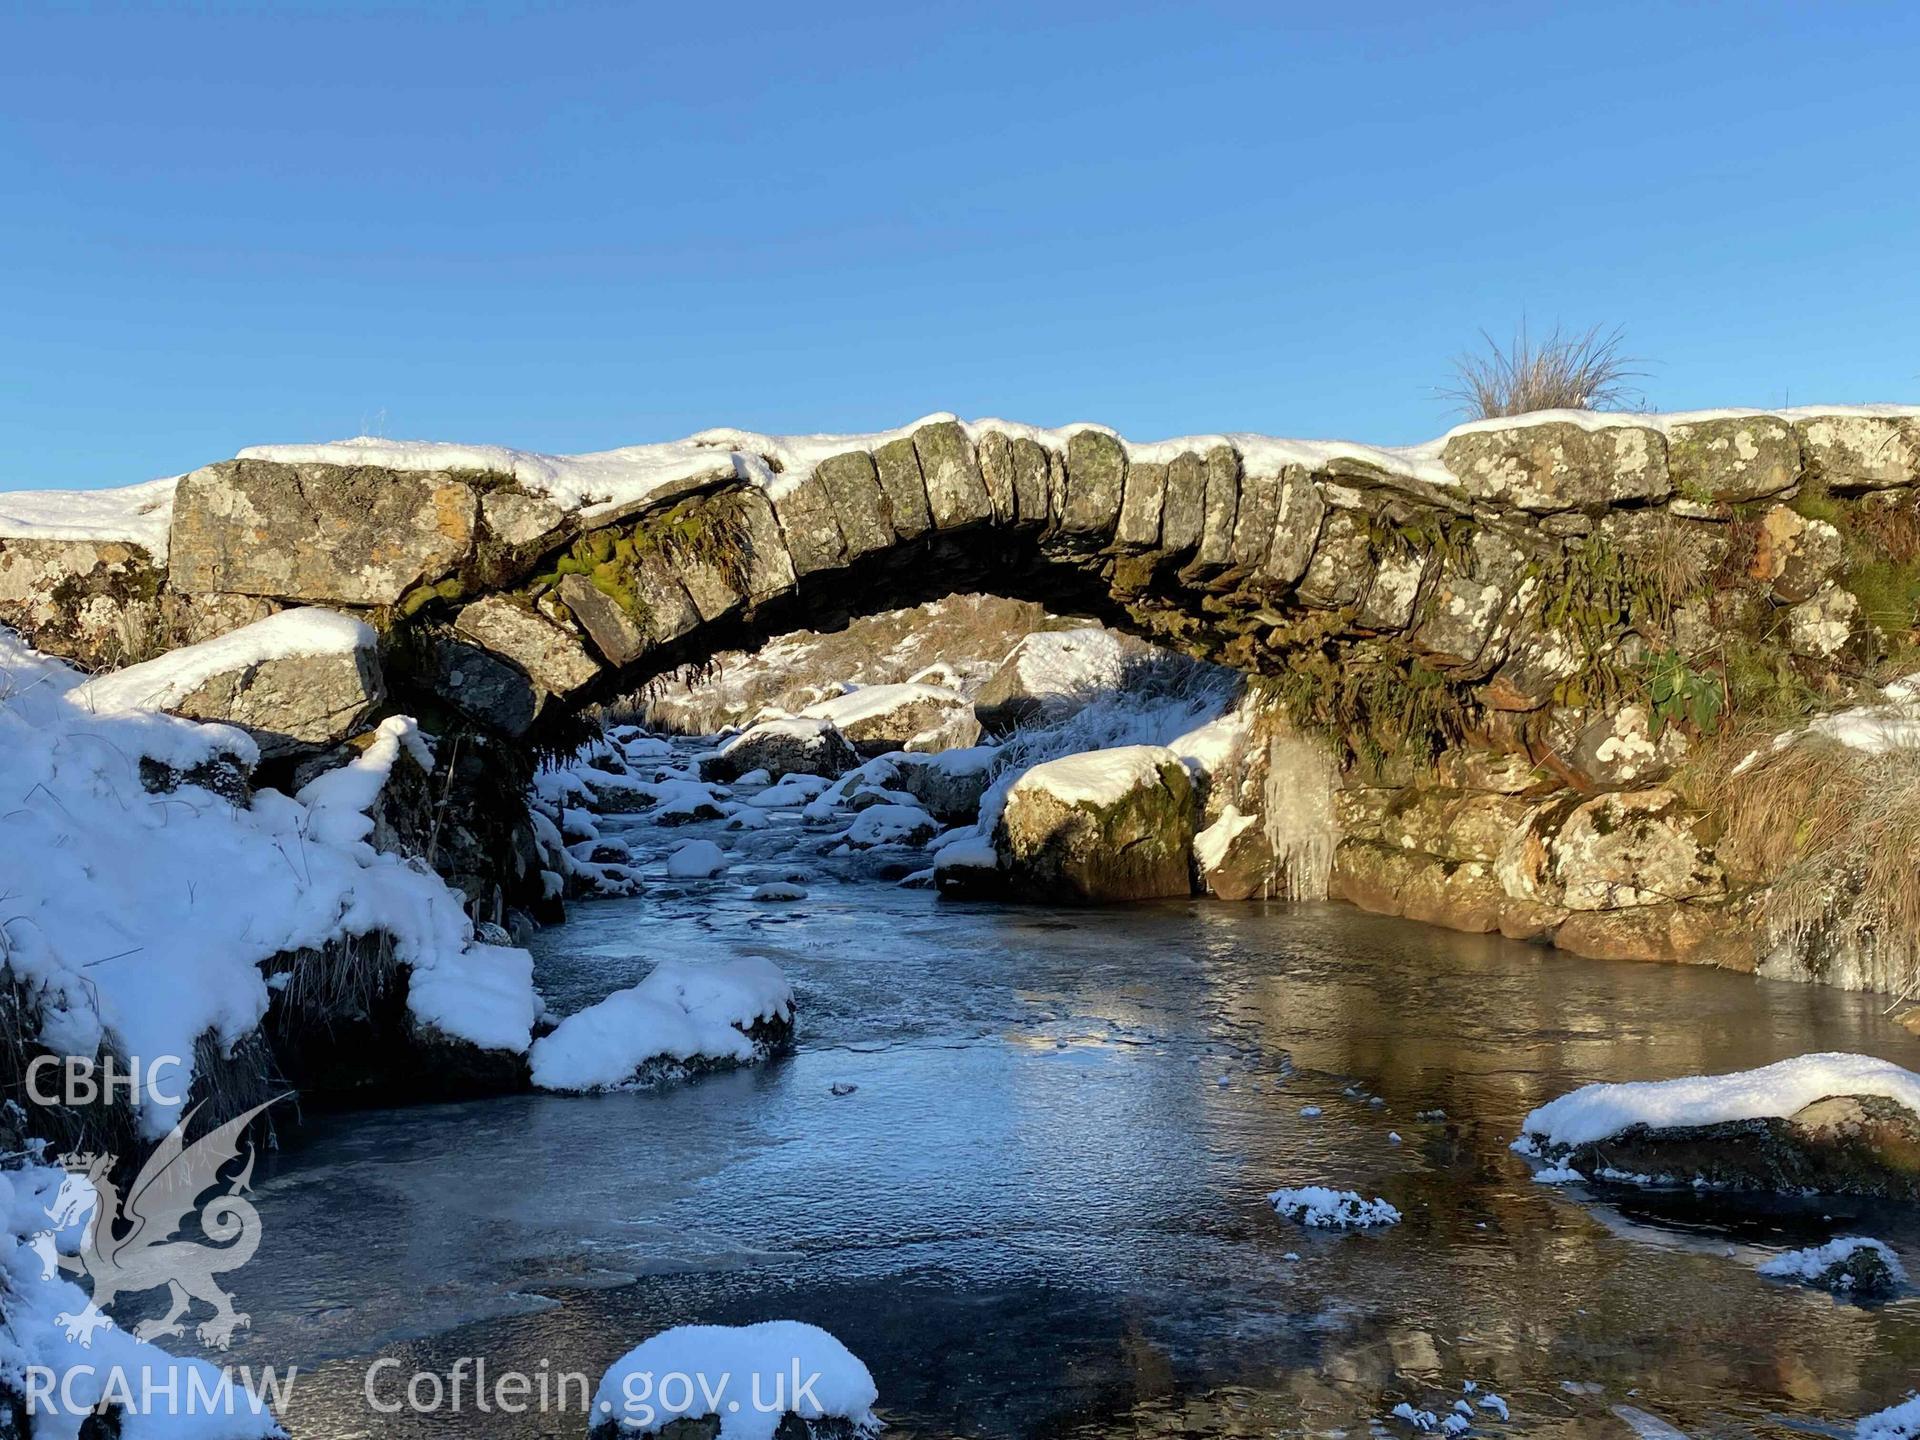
[(1041, 1212)]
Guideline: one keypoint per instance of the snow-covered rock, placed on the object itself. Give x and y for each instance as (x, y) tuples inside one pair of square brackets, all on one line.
[(760, 1364), (1233, 857), (681, 802), (1896, 1422), (305, 677), (776, 890), (1110, 825), (888, 824), (794, 745), (968, 867), (877, 719), (133, 1377), (793, 790), (951, 784), (141, 921), (1052, 673), (684, 1017), (1851, 1265), (697, 860), (1827, 1122), (1599, 1112)]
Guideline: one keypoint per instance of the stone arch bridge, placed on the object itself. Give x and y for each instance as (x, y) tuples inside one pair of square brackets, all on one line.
[(1483, 581)]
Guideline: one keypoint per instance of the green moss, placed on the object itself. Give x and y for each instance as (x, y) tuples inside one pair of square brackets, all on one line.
[(1816, 502), (1422, 533), (1889, 596), (421, 596), (1763, 681), (708, 530)]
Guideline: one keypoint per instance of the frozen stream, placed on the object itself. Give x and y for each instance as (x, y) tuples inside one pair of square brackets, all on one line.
[(1041, 1211)]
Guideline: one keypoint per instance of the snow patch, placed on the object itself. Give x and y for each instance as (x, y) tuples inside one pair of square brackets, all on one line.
[(135, 514), (1325, 1208), (757, 1360)]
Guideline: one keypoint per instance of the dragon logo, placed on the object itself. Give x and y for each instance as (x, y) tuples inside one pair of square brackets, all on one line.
[(128, 1243)]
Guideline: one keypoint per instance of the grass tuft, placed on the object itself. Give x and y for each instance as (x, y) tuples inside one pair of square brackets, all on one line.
[(1563, 371)]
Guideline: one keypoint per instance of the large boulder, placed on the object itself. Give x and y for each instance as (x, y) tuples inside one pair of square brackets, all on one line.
[(1862, 451), (1732, 458), (301, 678), (1837, 1145), (1051, 674), (877, 719), (794, 745), (1107, 825), (348, 534)]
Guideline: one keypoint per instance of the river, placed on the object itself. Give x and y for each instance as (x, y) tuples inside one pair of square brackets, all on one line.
[(1040, 1211)]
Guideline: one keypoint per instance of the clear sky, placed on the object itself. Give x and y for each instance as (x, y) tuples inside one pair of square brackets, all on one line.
[(567, 227)]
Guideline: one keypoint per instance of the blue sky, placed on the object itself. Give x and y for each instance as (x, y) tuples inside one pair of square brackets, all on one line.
[(568, 227)]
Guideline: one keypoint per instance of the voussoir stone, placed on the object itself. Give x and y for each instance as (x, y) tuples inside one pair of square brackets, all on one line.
[(1030, 470), (1141, 501), (1559, 465), (616, 634), (956, 490), (811, 528), (1185, 507), (1253, 525), (995, 451), (353, 535), (1221, 505), (899, 467), (769, 567), (1296, 529), (552, 658), (1096, 479)]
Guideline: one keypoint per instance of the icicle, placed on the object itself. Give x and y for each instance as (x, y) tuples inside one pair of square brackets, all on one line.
[(1299, 815)]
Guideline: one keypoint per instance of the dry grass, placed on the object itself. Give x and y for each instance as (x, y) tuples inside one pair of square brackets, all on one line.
[(1563, 371), (1827, 829)]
